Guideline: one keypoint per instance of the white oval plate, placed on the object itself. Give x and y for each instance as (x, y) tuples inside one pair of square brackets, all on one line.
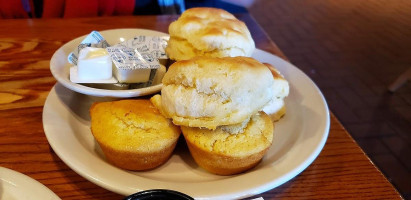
[(298, 139), (60, 67), (17, 186)]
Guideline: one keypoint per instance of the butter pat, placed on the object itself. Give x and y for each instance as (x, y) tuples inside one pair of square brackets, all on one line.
[(157, 78), (94, 39), (75, 79), (130, 66), (132, 75), (94, 64)]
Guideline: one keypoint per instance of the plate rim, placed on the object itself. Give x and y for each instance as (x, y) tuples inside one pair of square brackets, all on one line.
[(9, 175), (96, 91), (244, 193)]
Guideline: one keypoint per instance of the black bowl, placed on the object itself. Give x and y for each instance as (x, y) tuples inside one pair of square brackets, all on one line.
[(160, 194)]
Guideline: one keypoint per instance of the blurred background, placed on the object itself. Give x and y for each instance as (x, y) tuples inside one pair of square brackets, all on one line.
[(358, 52)]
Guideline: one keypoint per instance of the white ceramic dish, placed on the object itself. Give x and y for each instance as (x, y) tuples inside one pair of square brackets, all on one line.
[(17, 186), (298, 139), (60, 68)]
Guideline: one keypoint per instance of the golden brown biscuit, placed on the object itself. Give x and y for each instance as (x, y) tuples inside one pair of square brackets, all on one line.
[(210, 92), (224, 153), (208, 32), (276, 106), (133, 134)]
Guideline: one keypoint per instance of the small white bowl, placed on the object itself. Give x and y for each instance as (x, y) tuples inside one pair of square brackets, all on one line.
[(60, 68)]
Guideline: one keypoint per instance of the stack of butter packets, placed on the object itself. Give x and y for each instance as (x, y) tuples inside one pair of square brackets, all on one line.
[(136, 61)]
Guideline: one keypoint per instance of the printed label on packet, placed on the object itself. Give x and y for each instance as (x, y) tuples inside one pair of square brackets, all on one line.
[(149, 46), (137, 60), (94, 39), (125, 57), (142, 51)]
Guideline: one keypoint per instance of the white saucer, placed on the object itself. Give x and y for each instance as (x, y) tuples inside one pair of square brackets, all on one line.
[(60, 68)]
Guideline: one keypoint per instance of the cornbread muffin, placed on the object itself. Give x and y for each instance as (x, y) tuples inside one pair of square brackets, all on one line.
[(276, 107), (208, 32), (210, 92), (224, 153), (133, 134)]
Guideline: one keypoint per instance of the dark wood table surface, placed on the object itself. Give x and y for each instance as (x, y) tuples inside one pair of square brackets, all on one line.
[(341, 171)]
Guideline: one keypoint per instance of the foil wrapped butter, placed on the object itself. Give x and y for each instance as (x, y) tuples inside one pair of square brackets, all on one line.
[(136, 60), (131, 66), (150, 47)]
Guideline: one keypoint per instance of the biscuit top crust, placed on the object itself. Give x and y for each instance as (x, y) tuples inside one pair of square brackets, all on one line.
[(209, 29)]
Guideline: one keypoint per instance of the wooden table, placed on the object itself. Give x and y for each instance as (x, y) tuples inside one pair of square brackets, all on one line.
[(341, 171)]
